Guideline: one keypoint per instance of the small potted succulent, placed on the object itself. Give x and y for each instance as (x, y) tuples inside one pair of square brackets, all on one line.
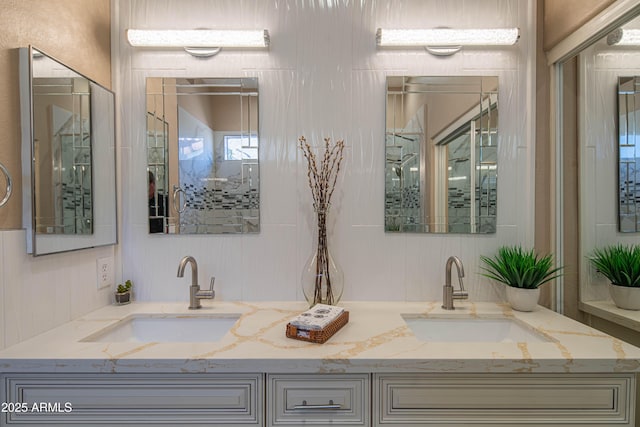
[(123, 293), (523, 271), (620, 264)]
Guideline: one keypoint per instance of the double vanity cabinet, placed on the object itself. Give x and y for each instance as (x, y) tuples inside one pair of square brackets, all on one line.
[(408, 399), (376, 371)]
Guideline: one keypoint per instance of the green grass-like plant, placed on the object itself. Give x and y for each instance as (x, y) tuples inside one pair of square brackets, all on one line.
[(519, 268), (618, 263)]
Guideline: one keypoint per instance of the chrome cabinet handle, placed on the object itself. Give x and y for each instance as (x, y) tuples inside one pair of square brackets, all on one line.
[(176, 196), (305, 407), (9, 185)]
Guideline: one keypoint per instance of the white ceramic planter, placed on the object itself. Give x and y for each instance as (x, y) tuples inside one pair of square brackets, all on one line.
[(523, 299), (625, 297)]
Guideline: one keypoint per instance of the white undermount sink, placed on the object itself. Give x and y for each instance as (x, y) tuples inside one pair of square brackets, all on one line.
[(166, 328), (471, 329)]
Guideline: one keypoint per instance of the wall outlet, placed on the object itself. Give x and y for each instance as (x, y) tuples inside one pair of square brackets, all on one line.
[(105, 272)]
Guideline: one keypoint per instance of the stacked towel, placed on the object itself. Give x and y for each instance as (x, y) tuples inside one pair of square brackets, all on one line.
[(317, 317)]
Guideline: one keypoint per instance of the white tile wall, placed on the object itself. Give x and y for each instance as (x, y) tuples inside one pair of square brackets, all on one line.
[(43, 292), (323, 76)]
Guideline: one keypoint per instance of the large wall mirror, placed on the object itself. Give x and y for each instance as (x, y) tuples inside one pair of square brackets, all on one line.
[(202, 155), (593, 77), (441, 151), (69, 153)]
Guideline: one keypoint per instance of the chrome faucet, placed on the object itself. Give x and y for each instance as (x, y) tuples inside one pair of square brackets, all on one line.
[(448, 294), (195, 293)]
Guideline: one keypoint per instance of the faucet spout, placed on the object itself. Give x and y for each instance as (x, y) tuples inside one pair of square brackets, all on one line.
[(195, 294), (448, 292), (194, 269)]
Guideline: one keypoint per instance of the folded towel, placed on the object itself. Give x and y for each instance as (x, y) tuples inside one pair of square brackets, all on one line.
[(317, 317)]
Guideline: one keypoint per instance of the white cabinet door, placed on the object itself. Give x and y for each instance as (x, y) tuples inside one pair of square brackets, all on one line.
[(318, 399), (504, 399), (133, 399)]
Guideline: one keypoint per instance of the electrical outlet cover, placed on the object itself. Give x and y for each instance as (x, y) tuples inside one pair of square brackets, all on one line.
[(104, 271)]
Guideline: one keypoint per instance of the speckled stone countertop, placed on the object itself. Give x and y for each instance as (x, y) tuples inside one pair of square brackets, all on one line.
[(376, 339)]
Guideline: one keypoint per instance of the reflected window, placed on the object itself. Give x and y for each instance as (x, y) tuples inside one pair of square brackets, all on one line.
[(240, 147)]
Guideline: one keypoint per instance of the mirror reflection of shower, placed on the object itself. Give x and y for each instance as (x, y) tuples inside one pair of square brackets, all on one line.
[(628, 154), (403, 180), (471, 153), (441, 154), (202, 150), (62, 113), (68, 157)]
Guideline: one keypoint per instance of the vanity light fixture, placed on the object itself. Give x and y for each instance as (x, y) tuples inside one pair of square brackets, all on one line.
[(446, 41), (201, 42), (624, 37)]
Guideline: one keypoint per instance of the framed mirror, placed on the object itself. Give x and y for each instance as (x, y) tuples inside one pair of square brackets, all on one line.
[(68, 124), (441, 154), (202, 155)]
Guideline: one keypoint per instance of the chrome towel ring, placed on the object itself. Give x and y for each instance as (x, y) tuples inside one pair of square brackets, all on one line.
[(9, 185)]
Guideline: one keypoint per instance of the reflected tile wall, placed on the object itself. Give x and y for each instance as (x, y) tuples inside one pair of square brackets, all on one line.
[(324, 77)]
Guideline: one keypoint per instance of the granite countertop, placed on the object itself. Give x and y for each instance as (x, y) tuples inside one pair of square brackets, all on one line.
[(376, 339)]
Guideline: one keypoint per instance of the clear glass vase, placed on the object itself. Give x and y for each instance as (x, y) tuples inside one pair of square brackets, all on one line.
[(322, 278)]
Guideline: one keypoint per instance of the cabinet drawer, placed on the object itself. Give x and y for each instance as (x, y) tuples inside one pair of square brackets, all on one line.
[(505, 399), (318, 400), (123, 399)]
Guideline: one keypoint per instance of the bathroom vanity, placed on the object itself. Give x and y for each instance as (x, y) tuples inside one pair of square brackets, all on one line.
[(390, 365)]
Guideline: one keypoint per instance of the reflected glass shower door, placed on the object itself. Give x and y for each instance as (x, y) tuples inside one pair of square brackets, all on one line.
[(459, 194)]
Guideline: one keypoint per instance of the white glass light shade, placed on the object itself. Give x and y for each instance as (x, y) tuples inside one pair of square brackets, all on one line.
[(624, 37), (199, 38), (447, 37)]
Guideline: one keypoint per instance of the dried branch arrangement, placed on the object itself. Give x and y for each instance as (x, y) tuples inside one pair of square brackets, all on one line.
[(322, 182)]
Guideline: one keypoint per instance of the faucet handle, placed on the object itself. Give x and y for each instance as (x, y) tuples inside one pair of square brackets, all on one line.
[(208, 293), (460, 294)]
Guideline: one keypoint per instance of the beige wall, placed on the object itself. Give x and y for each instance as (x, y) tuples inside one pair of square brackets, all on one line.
[(571, 212), (562, 17), (77, 33)]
